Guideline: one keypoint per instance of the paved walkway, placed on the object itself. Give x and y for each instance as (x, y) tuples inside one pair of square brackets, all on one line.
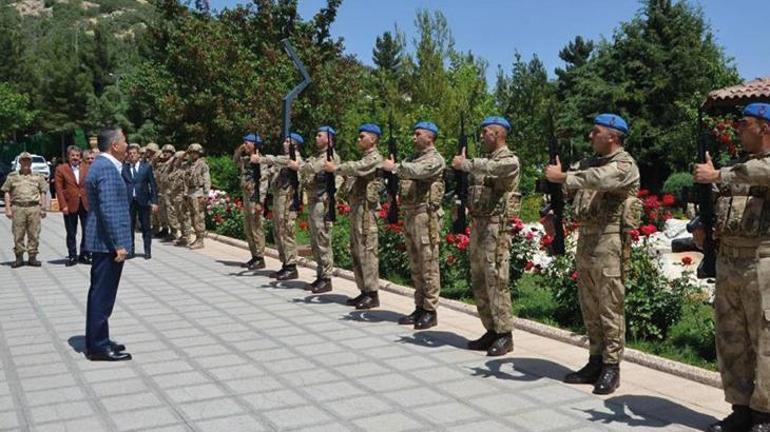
[(218, 349)]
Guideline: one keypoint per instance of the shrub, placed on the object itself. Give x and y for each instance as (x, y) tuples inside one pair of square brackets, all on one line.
[(676, 182), (224, 175), (530, 208)]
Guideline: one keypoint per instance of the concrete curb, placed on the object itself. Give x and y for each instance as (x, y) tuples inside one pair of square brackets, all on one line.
[(682, 370)]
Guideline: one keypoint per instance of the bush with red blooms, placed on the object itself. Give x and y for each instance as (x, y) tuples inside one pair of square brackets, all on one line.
[(223, 214), (724, 130), (656, 210)]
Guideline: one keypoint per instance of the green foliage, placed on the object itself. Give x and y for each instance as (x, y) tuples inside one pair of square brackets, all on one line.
[(224, 175), (530, 208), (15, 112), (676, 181)]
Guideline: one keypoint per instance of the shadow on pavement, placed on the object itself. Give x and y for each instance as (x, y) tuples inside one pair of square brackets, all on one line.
[(435, 339), (375, 315), (78, 343), (521, 369), (230, 263), (290, 284), (322, 299), (649, 411), (58, 261)]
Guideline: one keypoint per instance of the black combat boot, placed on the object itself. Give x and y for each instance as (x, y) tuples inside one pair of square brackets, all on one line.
[(588, 374), (609, 379), (483, 343), (324, 285), (427, 320), (761, 421), (19, 261), (33, 261), (259, 263), (248, 263), (311, 286), (354, 300), (289, 272), (502, 345), (411, 318), (279, 273), (738, 421), (370, 300)]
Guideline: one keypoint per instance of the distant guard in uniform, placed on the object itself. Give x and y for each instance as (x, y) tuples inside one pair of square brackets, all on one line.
[(25, 202)]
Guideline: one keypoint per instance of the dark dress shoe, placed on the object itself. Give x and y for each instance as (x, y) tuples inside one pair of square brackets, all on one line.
[(258, 264), (369, 301), (354, 300), (84, 259), (290, 272), (109, 356), (609, 379), (117, 347), (738, 420), (325, 285), (427, 320), (147, 255), (71, 261), (483, 343), (502, 345), (588, 374), (34, 262), (131, 255), (411, 318)]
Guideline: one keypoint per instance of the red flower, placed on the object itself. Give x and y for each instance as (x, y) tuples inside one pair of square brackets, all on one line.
[(651, 202), (238, 203), (530, 235), (648, 230), (462, 241), (451, 238), (546, 241), (575, 276), (642, 193), (667, 215), (529, 266), (668, 200), (518, 225), (394, 228), (384, 210), (450, 259), (686, 260), (634, 235), (468, 231), (343, 209), (725, 139), (303, 225), (269, 214), (218, 218)]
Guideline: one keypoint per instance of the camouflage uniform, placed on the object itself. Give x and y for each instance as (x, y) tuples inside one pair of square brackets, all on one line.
[(605, 202), (167, 202), (198, 186), (161, 179), (364, 185), (314, 185), (493, 199), (178, 195), (284, 218), (27, 193), (253, 224), (421, 191), (742, 296)]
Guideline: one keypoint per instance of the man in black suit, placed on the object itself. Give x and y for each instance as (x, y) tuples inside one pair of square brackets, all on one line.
[(142, 196)]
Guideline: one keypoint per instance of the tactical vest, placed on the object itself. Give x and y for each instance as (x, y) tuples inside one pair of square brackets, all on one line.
[(616, 208), (743, 211), (493, 196), (195, 181)]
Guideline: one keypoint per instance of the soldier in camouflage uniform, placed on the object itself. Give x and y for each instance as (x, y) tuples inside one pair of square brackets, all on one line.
[(362, 187), (152, 156), (168, 214), (253, 224), (198, 186), (314, 184), (421, 189), (605, 204), (284, 217), (25, 202), (742, 295), (177, 179), (493, 199)]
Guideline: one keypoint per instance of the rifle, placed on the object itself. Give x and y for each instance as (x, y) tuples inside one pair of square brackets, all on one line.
[(555, 195), (705, 218), (391, 178), (331, 185), (286, 118), (460, 224)]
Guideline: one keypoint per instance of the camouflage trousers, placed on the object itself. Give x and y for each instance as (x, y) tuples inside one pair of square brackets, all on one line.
[(601, 293), (26, 223), (490, 247), (254, 228), (742, 315), (183, 216), (320, 239), (364, 247), (171, 213), (155, 221), (162, 212), (284, 228), (421, 236), (196, 208)]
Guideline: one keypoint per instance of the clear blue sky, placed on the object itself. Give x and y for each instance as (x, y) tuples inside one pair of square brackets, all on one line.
[(496, 29)]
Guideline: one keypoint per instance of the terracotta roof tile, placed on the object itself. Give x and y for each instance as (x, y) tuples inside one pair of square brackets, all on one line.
[(757, 89)]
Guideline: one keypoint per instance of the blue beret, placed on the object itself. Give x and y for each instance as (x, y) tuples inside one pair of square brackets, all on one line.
[(428, 126), (253, 138), (297, 138), (612, 121), (371, 128), (327, 129), (496, 120), (758, 110)]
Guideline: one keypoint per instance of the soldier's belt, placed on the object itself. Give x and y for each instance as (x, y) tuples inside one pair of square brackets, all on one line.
[(613, 228), (737, 252), (490, 218), (25, 203), (415, 209)]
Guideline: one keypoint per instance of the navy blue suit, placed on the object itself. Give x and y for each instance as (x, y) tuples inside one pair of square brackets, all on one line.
[(108, 229), (142, 193)]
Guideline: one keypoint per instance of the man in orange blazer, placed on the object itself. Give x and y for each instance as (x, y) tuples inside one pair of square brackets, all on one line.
[(71, 192)]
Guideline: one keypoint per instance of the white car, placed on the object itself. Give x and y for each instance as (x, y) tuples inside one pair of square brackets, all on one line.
[(39, 165)]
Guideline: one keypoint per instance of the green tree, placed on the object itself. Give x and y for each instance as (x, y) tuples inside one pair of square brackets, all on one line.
[(15, 112)]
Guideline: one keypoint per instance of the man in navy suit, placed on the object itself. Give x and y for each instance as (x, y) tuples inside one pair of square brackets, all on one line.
[(142, 196), (108, 237)]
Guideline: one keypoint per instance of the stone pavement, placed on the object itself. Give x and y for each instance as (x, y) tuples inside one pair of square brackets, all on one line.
[(219, 349)]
